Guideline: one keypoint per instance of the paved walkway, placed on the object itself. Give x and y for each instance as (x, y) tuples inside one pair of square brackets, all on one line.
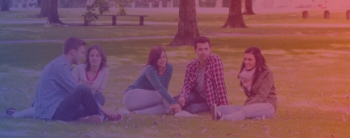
[(145, 37), (314, 25)]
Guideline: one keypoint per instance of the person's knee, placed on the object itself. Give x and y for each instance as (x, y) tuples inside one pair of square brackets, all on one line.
[(83, 89)]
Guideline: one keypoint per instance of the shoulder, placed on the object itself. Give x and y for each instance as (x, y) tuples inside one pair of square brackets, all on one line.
[(169, 66), (193, 63), (266, 71), (150, 68), (215, 57), (59, 65), (105, 69)]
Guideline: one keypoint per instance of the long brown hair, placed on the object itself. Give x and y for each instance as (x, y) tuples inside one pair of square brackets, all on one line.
[(102, 55), (154, 56), (260, 63)]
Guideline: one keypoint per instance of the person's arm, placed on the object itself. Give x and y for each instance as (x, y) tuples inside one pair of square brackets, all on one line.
[(170, 68), (152, 75), (102, 87), (186, 88), (219, 82), (64, 77), (264, 90)]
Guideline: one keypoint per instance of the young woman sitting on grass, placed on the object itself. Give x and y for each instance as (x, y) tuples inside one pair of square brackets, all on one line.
[(256, 79), (149, 93)]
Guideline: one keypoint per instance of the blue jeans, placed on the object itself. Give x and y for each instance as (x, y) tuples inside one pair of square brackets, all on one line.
[(249, 111), (68, 110), (195, 103)]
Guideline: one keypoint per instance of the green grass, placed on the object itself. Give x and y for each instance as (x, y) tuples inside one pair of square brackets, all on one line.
[(310, 72)]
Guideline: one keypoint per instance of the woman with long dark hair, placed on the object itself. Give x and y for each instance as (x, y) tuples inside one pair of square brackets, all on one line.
[(256, 79), (149, 93)]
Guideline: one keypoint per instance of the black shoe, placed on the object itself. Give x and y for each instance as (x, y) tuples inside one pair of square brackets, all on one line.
[(10, 111)]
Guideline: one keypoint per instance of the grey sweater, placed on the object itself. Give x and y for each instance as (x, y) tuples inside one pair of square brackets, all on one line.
[(149, 79)]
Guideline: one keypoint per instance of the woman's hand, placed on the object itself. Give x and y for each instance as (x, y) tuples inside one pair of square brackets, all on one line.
[(87, 83), (175, 108)]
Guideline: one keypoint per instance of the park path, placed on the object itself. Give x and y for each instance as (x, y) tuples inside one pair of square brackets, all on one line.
[(312, 25), (143, 38)]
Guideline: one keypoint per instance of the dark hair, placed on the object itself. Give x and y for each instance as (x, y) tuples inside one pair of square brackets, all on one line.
[(154, 56), (260, 64), (201, 39), (72, 43), (102, 55)]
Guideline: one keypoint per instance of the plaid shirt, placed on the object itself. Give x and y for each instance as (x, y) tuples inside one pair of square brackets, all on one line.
[(213, 80)]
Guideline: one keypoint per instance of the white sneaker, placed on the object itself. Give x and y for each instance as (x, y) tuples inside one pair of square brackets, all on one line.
[(94, 119)]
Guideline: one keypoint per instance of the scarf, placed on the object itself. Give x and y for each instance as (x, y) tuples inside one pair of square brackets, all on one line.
[(246, 77)]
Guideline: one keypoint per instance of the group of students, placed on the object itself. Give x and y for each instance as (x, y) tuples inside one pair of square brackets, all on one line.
[(69, 95)]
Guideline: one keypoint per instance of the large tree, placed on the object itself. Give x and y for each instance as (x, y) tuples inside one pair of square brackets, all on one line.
[(235, 17), (53, 13), (5, 5), (44, 8), (248, 7), (187, 26)]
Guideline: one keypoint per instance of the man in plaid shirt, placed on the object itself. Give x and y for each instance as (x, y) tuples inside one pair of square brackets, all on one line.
[(204, 83)]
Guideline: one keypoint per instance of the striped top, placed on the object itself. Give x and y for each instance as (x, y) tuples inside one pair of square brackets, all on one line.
[(55, 83), (99, 81), (151, 80)]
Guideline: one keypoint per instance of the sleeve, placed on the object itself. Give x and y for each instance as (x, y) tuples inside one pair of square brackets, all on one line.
[(170, 68), (263, 91), (104, 81), (151, 75), (64, 78), (186, 88), (219, 82), (75, 73)]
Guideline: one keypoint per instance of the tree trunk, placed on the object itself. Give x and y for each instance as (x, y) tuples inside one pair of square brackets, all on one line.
[(5, 5), (53, 13), (235, 17), (44, 10), (187, 26), (249, 7)]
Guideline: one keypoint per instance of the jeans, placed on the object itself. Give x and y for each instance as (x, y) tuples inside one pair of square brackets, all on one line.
[(249, 111), (68, 110), (143, 101), (195, 103)]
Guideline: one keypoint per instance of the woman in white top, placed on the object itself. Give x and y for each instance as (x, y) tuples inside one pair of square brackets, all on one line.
[(94, 74)]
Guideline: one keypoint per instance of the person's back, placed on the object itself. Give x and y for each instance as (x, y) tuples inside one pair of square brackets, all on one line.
[(53, 86)]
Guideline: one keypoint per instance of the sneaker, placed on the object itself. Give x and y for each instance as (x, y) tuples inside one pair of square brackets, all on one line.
[(10, 111), (94, 119)]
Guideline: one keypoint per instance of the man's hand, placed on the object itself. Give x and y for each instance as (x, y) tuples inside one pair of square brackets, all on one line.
[(181, 101), (175, 108)]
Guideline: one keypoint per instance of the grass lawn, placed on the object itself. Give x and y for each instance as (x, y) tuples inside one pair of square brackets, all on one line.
[(310, 72)]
